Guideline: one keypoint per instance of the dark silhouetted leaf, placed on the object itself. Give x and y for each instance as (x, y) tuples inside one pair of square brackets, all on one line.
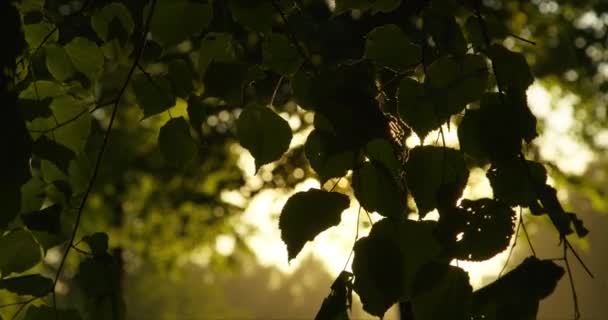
[(487, 229), (324, 157), (181, 76), (512, 70), (336, 305), (215, 47), (375, 6), (516, 295), (279, 55), (416, 108), (32, 108), (515, 182), (389, 47), (435, 176), (445, 31), (46, 313), (103, 18), (255, 15), (28, 285), (176, 144), (442, 292), (58, 154), (264, 133), (455, 81), (386, 262), (559, 217), (19, 252), (176, 21), (306, 214), (98, 242), (377, 190), (153, 95), (47, 219), (382, 152)]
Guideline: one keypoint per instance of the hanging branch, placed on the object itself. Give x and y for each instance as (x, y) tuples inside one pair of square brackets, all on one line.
[(104, 144)]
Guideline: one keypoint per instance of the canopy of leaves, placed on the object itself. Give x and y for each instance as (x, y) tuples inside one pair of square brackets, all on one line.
[(123, 116)]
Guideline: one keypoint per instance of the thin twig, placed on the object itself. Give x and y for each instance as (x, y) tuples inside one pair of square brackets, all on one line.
[(355, 241), (276, 89), (522, 39), (569, 245), (335, 184), (577, 313), (22, 307), (101, 152), (519, 223), (291, 35), (75, 117), (17, 303), (523, 226)]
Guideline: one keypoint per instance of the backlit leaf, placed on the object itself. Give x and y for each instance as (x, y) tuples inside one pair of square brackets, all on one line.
[(416, 107), (264, 133), (515, 182), (377, 190), (153, 95), (102, 19), (307, 214), (327, 161), (435, 176), (386, 262), (59, 63), (85, 55), (442, 292), (19, 252), (512, 70)]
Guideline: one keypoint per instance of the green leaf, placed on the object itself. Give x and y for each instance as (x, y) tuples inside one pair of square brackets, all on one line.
[(389, 47), (47, 219), (46, 313), (516, 295), (255, 15), (416, 108), (386, 262), (98, 242), (36, 33), (324, 157), (442, 292), (59, 63), (86, 56), (215, 46), (307, 214), (28, 285), (487, 231), (153, 95), (263, 133), (41, 90), (197, 113), (377, 190), (279, 55), (74, 134), (515, 182), (456, 81), (512, 70), (176, 144), (52, 151), (102, 19), (19, 252), (436, 177), (229, 89), (176, 21)]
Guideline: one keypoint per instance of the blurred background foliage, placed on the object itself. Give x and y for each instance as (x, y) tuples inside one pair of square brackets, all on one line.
[(176, 231)]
